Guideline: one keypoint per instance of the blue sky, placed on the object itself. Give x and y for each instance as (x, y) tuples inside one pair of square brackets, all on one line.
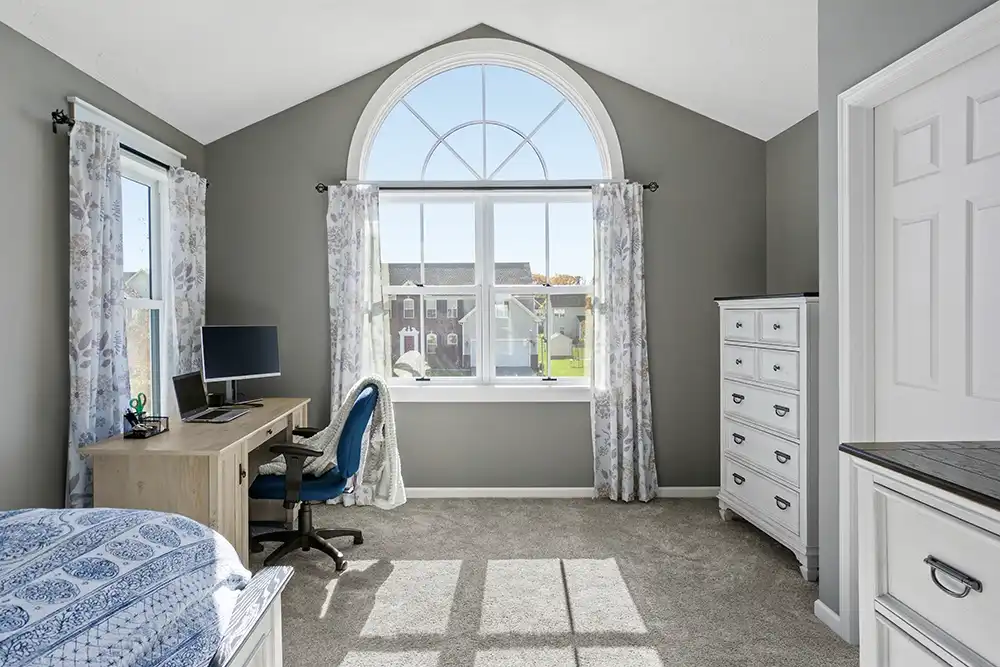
[(512, 98), (135, 224)]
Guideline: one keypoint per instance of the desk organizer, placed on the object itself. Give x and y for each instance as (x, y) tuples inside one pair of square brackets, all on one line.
[(149, 425)]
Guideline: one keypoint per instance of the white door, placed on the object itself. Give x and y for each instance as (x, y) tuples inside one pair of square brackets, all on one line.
[(937, 257)]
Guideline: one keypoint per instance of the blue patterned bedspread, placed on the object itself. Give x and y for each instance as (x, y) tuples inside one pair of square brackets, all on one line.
[(113, 588)]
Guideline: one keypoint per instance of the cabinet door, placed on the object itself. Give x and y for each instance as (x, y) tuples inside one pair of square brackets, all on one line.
[(232, 517)]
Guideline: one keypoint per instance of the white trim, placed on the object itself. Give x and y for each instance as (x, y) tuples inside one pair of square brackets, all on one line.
[(489, 51), (828, 616), (548, 492), (82, 110), (856, 255), (536, 392)]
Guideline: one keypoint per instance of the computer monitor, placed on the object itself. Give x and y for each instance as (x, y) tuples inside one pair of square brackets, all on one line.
[(239, 352)]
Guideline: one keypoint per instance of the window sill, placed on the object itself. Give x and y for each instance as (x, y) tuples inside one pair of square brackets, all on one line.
[(489, 394)]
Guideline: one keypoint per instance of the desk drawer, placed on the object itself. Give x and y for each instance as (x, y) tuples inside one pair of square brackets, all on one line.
[(764, 406), (772, 500), (942, 568), (773, 454), (266, 432)]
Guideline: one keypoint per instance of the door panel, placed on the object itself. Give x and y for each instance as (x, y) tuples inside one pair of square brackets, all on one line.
[(937, 240), (232, 516)]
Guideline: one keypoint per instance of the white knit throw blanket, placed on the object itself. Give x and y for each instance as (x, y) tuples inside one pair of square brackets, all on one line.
[(379, 481)]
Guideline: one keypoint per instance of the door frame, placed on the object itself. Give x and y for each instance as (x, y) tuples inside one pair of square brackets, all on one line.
[(856, 264)]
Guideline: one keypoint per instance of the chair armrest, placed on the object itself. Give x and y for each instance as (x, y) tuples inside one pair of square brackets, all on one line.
[(295, 460), (305, 431)]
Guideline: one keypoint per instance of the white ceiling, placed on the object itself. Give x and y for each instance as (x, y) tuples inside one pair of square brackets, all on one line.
[(211, 67)]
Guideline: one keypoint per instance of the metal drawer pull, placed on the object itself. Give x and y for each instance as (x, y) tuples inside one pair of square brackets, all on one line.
[(738, 439), (781, 456), (776, 326), (780, 410), (781, 503), (969, 583), (739, 479), (739, 325), (738, 398), (739, 362), (776, 368)]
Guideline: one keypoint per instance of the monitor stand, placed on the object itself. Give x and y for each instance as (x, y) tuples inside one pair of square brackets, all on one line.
[(232, 397)]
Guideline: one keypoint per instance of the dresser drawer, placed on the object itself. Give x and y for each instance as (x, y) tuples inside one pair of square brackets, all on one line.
[(897, 649), (772, 500), (764, 406), (780, 325), (778, 367), (739, 361), (740, 324), (775, 455), (942, 568)]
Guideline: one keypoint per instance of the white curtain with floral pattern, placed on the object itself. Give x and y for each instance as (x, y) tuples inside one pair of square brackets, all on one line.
[(359, 321), (186, 195), (98, 359), (620, 410)]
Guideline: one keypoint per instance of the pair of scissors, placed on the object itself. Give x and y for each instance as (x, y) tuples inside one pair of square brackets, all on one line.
[(138, 403)]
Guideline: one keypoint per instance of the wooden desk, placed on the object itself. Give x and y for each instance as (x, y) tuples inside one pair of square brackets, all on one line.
[(202, 471)]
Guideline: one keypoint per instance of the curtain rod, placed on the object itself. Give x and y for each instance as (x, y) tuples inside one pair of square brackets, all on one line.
[(652, 186), (59, 117)]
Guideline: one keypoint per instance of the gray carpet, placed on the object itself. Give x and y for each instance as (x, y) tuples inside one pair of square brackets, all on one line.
[(552, 583)]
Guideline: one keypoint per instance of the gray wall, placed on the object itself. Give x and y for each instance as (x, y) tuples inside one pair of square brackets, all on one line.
[(856, 39), (34, 261), (705, 236), (792, 209)]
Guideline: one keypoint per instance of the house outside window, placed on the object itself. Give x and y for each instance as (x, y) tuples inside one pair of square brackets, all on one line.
[(507, 259)]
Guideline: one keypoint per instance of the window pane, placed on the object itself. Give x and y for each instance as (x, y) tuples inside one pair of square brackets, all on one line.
[(524, 166), (142, 333), (501, 142), (518, 98), (518, 325), (135, 238), (571, 243), (400, 148), (519, 244), (451, 339), (468, 143), (449, 98), (404, 330), (568, 146), (450, 244), (399, 226), (568, 336)]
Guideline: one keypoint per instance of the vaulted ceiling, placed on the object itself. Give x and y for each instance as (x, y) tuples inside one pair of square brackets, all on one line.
[(211, 67)]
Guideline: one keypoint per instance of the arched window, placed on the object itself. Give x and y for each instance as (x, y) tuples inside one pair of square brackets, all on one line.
[(450, 127)]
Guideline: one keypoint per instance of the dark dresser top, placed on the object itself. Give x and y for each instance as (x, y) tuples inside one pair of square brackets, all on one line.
[(967, 469), (788, 295)]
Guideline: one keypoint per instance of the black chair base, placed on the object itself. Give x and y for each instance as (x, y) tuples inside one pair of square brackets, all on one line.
[(305, 538)]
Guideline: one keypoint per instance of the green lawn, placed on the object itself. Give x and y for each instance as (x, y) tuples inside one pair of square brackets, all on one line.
[(561, 368)]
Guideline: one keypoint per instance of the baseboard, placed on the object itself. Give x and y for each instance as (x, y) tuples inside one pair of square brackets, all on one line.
[(829, 617), (548, 492)]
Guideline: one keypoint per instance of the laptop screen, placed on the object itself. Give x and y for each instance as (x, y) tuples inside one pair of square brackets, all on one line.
[(190, 391)]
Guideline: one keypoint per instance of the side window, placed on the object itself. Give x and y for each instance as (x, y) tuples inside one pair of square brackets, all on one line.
[(432, 343), (408, 308)]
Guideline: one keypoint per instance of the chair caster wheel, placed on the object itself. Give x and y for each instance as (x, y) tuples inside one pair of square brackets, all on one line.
[(341, 565), (359, 540)]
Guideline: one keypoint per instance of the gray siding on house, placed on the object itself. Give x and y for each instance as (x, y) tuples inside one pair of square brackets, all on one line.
[(793, 209), (34, 260), (856, 39), (705, 236)]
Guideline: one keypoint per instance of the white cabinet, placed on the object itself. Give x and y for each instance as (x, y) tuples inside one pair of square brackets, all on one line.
[(768, 415)]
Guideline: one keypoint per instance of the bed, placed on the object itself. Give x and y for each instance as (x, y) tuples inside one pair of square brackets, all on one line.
[(131, 588)]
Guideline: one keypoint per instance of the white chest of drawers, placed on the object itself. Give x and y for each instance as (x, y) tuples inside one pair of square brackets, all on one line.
[(768, 359)]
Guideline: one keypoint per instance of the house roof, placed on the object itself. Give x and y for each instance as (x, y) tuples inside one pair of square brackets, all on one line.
[(456, 273), (750, 65)]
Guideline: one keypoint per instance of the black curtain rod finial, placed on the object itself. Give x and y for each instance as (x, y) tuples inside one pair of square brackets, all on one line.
[(59, 117), (322, 187), (652, 186)]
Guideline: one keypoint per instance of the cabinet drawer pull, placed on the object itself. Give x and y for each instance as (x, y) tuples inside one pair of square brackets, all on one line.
[(738, 439), (781, 503), (739, 325), (776, 368), (270, 431), (739, 362), (781, 410), (781, 456), (243, 473), (776, 326), (738, 398), (739, 479), (969, 583)]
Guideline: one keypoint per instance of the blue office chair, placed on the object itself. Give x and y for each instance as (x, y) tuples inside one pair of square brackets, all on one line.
[(293, 486)]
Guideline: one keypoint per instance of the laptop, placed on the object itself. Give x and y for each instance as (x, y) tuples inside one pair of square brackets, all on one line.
[(192, 401)]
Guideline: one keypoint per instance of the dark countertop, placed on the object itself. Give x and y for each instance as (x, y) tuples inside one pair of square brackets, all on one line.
[(789, 295), (967, 469)]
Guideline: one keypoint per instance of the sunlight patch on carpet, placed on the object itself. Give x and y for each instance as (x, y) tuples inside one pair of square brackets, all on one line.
[(524, 597), (353, 568), (525, 657), (414, 600), (619, 657), (599, 599)]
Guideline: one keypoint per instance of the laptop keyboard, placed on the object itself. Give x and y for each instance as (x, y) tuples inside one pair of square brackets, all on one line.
[(214, 414)]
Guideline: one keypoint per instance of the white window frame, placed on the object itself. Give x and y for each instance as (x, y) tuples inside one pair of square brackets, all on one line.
[(452, 312), (452, 339), (431, 308), (432, 343), (409, 306), (155, 177)]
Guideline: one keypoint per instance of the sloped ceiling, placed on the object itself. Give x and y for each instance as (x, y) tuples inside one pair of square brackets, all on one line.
[(211, 67)]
